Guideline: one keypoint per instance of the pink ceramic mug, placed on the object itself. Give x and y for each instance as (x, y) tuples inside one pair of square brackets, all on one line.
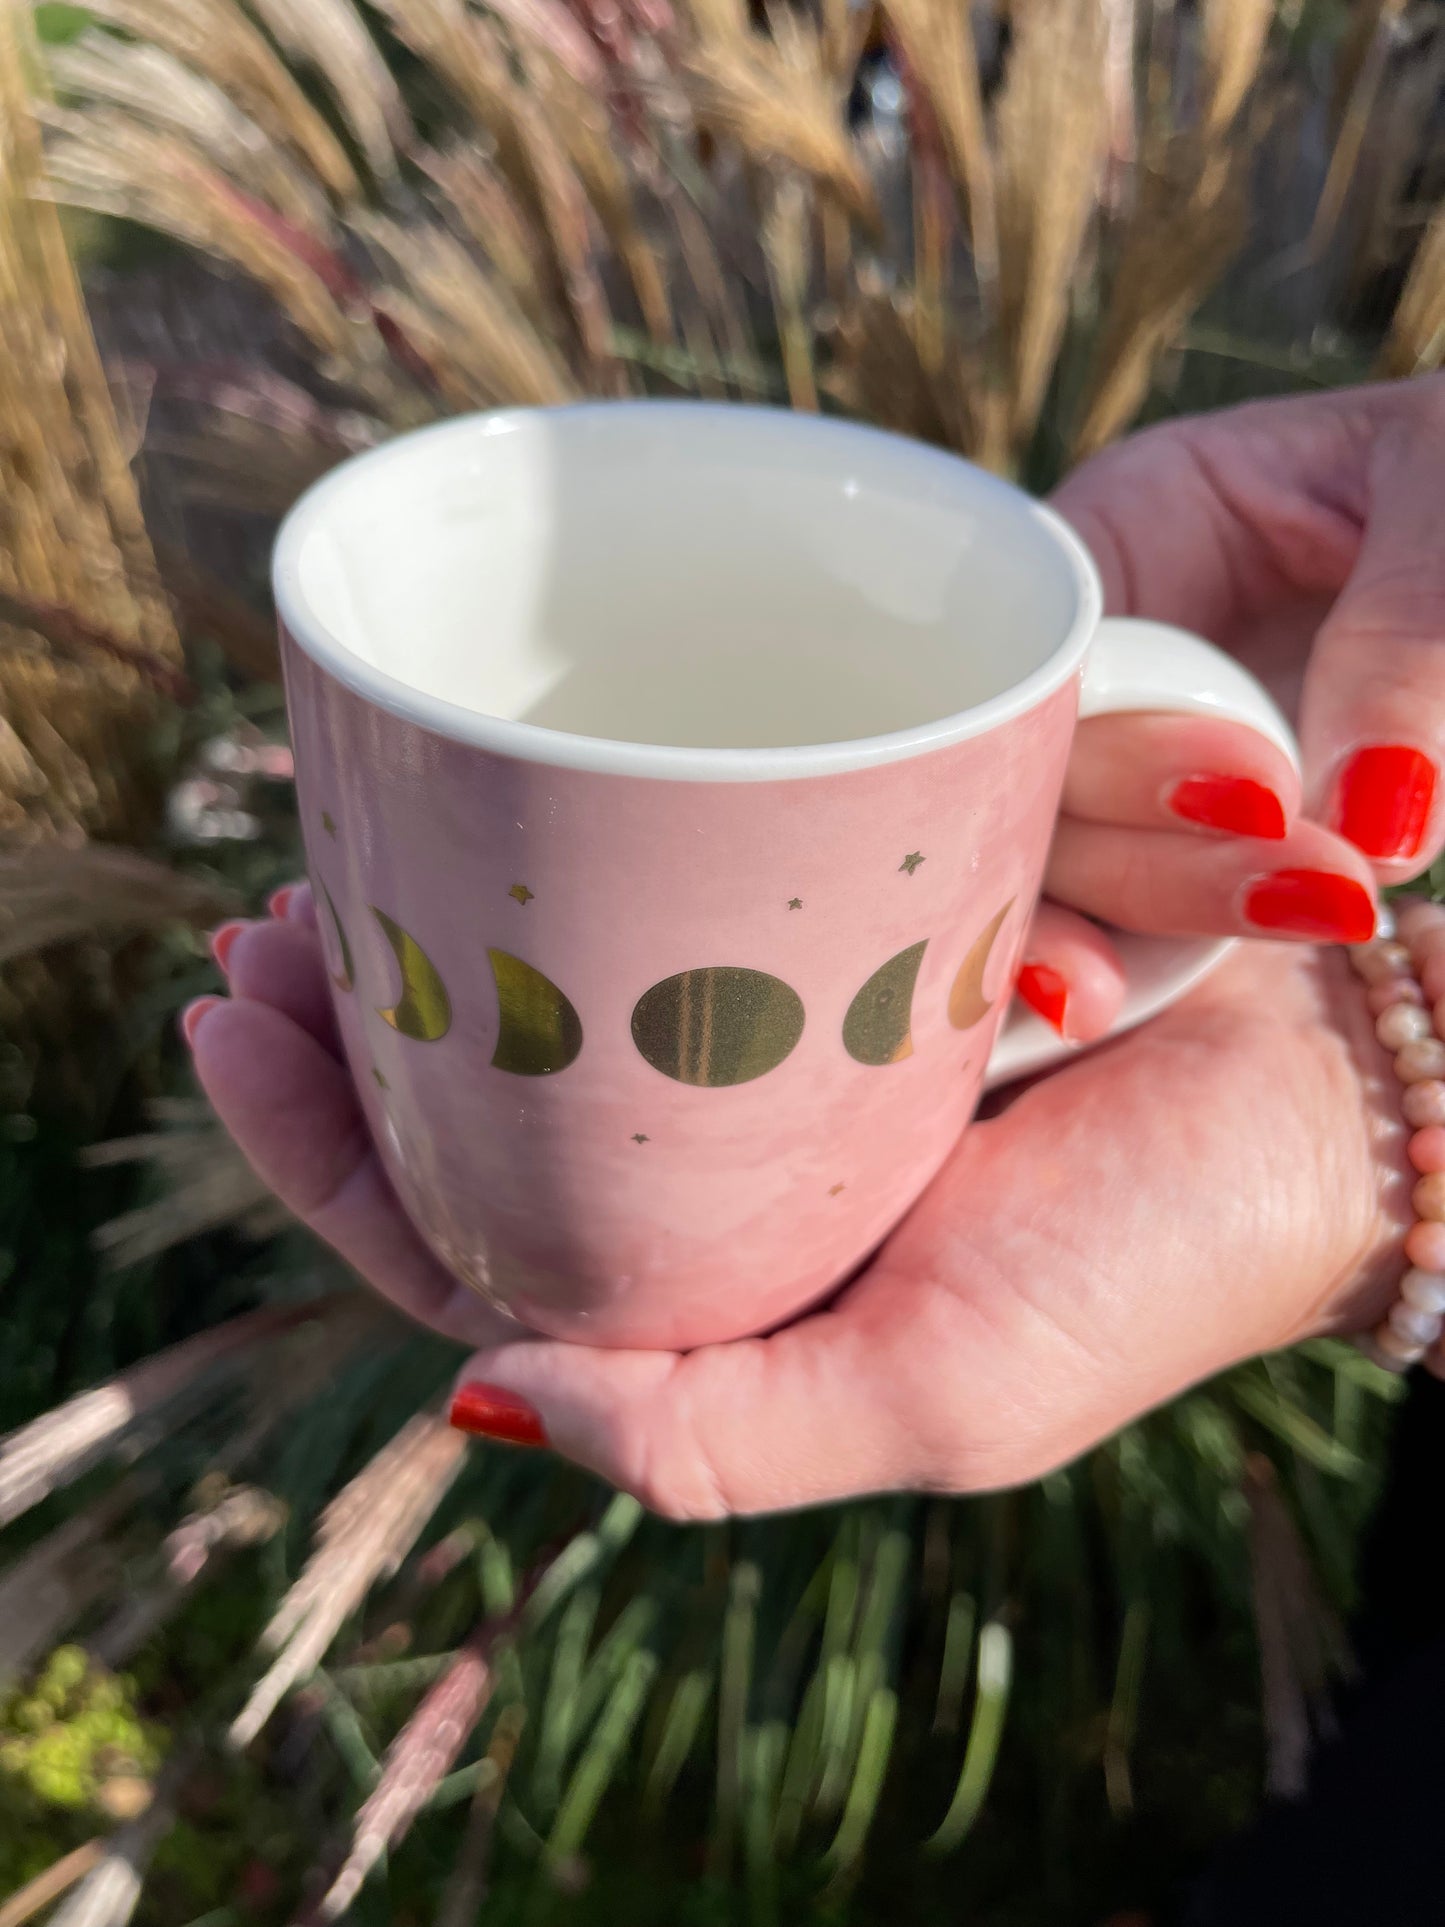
[(676, 782)]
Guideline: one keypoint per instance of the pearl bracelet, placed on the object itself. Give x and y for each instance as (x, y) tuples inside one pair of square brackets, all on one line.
[(1403, 970)]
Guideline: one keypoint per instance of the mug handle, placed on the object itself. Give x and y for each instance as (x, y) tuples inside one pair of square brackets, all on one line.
[(1134, 666)]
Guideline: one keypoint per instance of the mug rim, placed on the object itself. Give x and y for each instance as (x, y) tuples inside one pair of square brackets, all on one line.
[(534, 743)]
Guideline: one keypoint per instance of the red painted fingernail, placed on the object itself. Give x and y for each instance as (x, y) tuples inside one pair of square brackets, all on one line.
[(1383, 799), (1045, 990), (279, 900), (1311, 903), (492, 1412), (223, 939), (193, 1013), (1234, 803)]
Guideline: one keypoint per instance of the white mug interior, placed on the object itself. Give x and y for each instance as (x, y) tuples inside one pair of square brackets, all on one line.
[(684, 588)]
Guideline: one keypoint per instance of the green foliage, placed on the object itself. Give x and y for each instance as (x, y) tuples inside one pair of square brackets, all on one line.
[(63, 1738), (57, 22)]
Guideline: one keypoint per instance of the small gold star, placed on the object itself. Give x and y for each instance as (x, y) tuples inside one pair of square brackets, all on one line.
[(521, 893), (328, 823), (641, 1137), (795, 903), (911, 862), (836, 1189), (381, 1083)]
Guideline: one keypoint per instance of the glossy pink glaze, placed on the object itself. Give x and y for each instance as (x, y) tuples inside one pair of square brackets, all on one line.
[(744, 1203)]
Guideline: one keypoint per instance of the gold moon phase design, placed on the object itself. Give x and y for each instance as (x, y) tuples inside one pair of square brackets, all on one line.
[(424, 1010), (967, 1004), (540, 1032), (345, 978), (879, 1026), (717, 1026)]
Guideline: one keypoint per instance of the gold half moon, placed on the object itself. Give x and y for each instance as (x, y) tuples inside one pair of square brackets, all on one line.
[(717, 1026), (424, 1010), (345, 978), (878, 1027), (967, 1004), (540, 1031)]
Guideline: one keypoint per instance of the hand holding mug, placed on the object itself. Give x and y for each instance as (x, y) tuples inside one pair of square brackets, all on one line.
[(1222, 1181), (1157, 1252), (677, 784)]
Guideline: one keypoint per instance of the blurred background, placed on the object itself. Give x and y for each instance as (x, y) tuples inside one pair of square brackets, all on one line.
[(275, 1645)]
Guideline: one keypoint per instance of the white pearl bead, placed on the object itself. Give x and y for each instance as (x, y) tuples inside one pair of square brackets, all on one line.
[(1394, 990), (1376, 961), (1425, 1246), (1424, 1290), (1423, 1103), (1422, 1057), (1387, 925), (1401, 1024), (1415, 1327), (1395, 1353)]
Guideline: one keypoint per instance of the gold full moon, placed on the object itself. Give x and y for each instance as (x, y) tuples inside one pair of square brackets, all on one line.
[(967, 1004), (424, 1010), (540, 1031), (879, 1026), (717, 1026)]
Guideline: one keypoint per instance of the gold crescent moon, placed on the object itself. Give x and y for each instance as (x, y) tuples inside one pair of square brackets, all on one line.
[(345, 978), (879, 1026), (967, 1004), (424, 1010), (540, 1031)]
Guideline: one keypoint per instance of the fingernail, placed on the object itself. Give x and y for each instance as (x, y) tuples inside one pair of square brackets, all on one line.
[(223, 939), (1311, 903), (1046, 991), (279, 900), (1236, 804), (193, 1013), (1383, 799), (492, 1412)]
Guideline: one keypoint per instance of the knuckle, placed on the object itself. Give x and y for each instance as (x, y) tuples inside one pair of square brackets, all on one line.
[(933, 1432), (988, 1449), (1401, 601), (666, 1470), (950, 1455), (975, 1430), (676, 1494)]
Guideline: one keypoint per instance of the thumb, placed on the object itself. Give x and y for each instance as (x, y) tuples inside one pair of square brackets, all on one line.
[(847, 1401), (1372, 719)]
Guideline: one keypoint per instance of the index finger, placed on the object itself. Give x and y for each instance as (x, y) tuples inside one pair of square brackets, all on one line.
[(1223, 523)]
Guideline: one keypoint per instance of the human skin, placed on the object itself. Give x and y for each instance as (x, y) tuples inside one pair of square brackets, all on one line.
[(1220, 1183)]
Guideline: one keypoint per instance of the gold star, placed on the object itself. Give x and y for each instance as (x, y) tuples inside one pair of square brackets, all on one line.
[(381, 1082), (911, 862), (795, 903), (521, 893), (328, 823), (836, 1189), (641, 1137)]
